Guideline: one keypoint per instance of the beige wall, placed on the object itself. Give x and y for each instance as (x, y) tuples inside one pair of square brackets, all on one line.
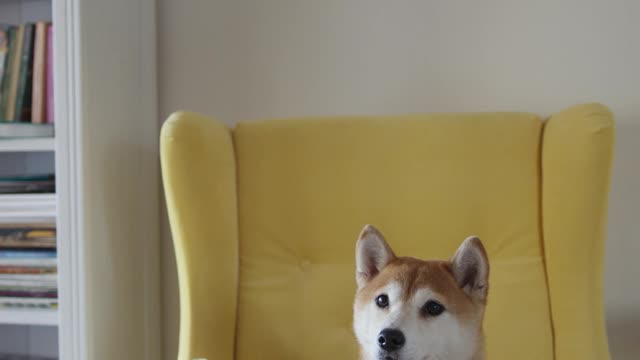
[(246, 59)]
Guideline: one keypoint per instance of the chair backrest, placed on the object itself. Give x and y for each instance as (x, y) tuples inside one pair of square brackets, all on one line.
[(265, 219)]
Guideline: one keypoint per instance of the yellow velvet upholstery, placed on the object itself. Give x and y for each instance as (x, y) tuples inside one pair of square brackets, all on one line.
[(264, 219)]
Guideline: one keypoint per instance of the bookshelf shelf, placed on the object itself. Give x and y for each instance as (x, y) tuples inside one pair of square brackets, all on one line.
[(27, 145), (28, 208), (48, 198), (29, 317)]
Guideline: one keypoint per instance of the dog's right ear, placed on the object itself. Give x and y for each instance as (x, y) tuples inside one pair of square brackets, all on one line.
[(372, 255)]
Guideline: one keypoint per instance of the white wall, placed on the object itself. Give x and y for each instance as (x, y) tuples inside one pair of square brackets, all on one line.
[(254, 59)]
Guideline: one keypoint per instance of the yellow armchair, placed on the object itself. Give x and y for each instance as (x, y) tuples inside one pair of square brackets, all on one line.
[(264, 219)]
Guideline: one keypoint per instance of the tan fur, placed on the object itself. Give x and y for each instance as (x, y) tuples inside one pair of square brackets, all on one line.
[(415, 274), (466, 304)]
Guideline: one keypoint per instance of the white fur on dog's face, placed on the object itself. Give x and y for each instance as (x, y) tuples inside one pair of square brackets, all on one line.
[(455, 334), (441, 337)]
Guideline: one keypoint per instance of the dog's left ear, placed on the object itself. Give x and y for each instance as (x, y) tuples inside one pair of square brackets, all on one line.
[(470, 266)]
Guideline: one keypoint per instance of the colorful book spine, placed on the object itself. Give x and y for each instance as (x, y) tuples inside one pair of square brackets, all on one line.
[(30, 284), (42, 262), (29, 277), (7, 73), (23, 97), (4, 48), (38, 101), (16, 57), (28, 244), (27, 270), (26, 254), (16, 302), (36, 293), (26, 73), (49, 75)]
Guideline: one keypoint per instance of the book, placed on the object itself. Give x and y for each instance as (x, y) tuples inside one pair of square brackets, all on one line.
[(26, 292), (26, 254), (16, 57), (27, 270), (28, 244), (27, 231), (49, 88), (6, 78), (27, 217), (28, 284), (4, 48), (22, 262), (25, 303), (38, 101), (27, 184), (49, 278), (24, 238), (25, 78)]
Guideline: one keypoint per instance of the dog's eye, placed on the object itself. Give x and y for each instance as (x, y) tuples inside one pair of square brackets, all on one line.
[(382, 301), (433, 308)]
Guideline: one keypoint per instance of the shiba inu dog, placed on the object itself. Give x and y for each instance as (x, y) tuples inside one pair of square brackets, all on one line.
[(411, 309)]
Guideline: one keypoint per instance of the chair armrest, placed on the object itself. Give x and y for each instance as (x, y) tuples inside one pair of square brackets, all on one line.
[(198, 170), (577, 149)]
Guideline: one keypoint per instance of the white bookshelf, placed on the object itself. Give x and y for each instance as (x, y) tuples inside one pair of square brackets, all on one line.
[(27, 145), (28, 156), (27, 199), (24, 157)]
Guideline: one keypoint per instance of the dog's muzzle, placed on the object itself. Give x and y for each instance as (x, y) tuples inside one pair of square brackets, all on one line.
[(391, 340)]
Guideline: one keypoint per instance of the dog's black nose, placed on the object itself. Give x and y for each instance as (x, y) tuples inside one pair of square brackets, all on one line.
[(390, 339)]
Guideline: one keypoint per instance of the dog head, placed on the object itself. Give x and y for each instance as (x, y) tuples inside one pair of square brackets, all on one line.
[(411, 309)]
